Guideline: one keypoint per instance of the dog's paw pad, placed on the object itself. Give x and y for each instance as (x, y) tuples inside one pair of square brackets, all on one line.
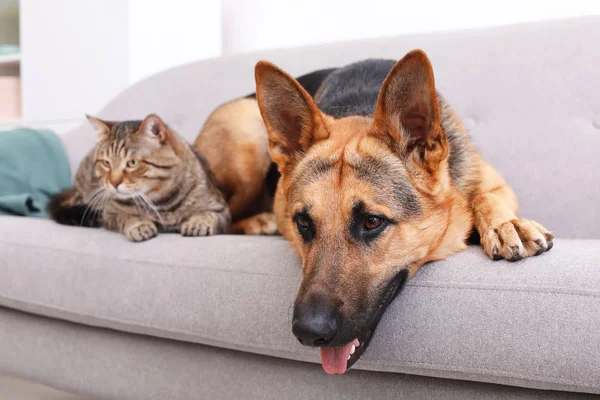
[(516, 239)]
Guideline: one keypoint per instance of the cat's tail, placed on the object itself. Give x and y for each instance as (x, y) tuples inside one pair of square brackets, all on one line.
[(68, 208)]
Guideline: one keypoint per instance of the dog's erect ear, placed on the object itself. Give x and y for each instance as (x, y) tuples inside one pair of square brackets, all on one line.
[(293, 120), (408, 114), (101, 128), (154, 128)]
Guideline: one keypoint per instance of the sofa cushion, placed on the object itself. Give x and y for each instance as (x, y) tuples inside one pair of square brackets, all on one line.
[(533, 323)]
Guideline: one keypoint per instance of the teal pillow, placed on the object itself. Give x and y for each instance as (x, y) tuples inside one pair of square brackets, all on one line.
[(33, 167)]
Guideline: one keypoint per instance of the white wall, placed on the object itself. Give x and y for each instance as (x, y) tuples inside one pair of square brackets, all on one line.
[(163, 34), (261, 24), (73, 56), (77, 55)]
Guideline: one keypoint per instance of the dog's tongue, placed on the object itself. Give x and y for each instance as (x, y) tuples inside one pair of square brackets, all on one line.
[(335, 359)]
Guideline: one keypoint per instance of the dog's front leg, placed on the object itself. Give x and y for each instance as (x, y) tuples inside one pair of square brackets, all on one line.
[(503, 234)]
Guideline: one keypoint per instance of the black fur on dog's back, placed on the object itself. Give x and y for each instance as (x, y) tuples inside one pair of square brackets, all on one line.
[(353, 89)]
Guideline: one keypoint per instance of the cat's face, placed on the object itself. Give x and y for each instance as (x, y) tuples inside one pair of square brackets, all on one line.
[(134, 159)]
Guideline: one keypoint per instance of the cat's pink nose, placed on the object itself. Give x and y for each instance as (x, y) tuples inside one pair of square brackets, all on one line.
[(115, 180)]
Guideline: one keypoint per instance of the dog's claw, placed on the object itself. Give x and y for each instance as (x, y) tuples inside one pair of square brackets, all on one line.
[(517, 239), (495, 250), (496, 254)]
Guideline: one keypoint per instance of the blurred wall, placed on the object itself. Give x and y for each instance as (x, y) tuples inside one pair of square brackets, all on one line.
[(261, 24), (79, 54), (163, 34), (74, 56)]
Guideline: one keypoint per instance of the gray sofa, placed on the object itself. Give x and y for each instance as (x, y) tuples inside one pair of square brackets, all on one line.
[(86, 311)]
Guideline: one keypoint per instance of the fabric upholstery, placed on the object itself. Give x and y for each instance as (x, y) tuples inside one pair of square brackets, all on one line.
[(533, 323), (527, 93), (114, 365)]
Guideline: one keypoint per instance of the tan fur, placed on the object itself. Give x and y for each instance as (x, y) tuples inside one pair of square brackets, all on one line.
[(234, 142), (442, 230), (503, 235)]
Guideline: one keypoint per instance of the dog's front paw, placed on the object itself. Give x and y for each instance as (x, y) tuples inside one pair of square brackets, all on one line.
[(200, 225), (260, 224), (140, 231), (516, 239)]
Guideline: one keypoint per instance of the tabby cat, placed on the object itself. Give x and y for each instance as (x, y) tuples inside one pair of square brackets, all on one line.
[(142, 178)]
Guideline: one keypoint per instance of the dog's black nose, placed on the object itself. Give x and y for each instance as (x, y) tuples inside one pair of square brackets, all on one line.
[(314, 325)]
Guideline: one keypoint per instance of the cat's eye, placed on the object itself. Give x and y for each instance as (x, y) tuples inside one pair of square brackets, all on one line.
[(372, 222), (132, 163), (106, 163)]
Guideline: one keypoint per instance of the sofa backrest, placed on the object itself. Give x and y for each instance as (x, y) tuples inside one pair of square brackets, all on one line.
[(529, 94)]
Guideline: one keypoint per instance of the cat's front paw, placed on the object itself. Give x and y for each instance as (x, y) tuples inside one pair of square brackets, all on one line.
[(140, 231), (516, 239), (201, 225)]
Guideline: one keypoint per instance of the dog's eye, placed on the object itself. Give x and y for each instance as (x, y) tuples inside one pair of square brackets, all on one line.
[(303, 221), (305, 226), (366, 226), (372, 222)]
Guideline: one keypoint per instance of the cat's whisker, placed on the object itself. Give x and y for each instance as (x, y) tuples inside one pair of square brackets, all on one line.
[(85, 212), (151, 205), (145, 204), (101, 205), (90, 202), (92, 195), (106, 200), (139, 200), (100, 199), (138, 206)]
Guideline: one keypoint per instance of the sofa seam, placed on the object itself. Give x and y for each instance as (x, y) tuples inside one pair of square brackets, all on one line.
[(410, 284), (501, 373), (547, 379), (538, 289), (151, 262)]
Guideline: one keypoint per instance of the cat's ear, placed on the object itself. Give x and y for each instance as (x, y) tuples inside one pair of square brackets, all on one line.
[(154, 128), (101, 128)]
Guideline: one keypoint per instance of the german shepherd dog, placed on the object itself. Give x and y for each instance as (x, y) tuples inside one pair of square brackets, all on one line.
[(377, 177)]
